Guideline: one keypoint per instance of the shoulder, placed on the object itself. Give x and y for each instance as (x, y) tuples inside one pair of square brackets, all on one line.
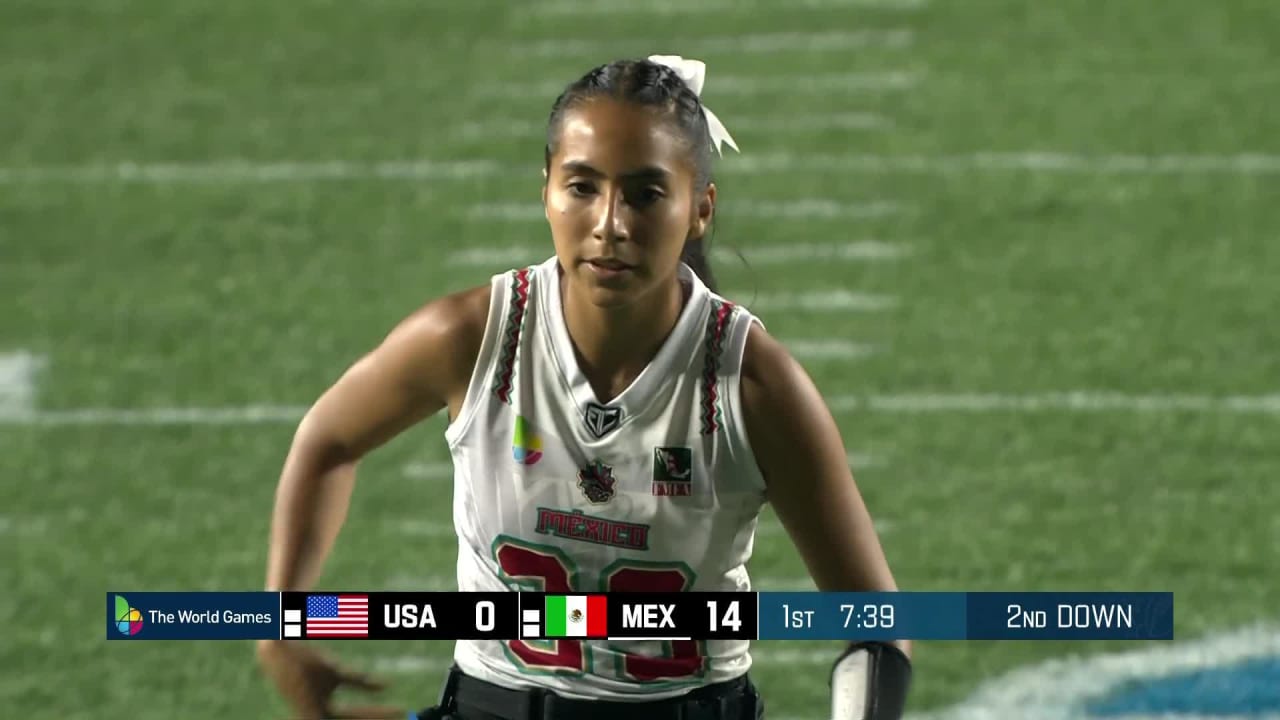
[(442, 338), (784, 414)]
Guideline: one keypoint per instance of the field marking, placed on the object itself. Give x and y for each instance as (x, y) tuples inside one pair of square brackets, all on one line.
[(18, 371), (246, 171), (683, 7), (818, 301), (773, 527), (1075, 401), (1239, 164), (734, 85), (428, 470), (749, 43), (764, 209), (530, 129), (783, 254), (1055, 689), (426, 528), (850, 251), (415, 664), (1078, 401), (829, 349)]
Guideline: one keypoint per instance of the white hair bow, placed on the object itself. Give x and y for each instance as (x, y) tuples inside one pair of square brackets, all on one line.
[(694, 74)]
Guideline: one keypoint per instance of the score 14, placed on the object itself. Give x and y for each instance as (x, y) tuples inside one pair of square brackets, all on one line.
[(730, 618)]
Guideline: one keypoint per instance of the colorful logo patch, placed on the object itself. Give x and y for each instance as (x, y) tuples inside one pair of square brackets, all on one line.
[(673, 471), (597, 482), (577, 525), (526, 445), (127, 618)]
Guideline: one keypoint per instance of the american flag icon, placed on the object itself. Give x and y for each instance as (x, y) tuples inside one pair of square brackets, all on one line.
[(338, 616)]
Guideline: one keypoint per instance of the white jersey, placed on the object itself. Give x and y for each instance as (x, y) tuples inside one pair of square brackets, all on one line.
[(556, 492)]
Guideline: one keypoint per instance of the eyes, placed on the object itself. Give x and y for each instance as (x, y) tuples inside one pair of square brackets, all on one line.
[(638, 196)]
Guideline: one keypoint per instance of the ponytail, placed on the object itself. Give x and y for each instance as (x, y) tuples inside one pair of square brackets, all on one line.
[(694, 255)]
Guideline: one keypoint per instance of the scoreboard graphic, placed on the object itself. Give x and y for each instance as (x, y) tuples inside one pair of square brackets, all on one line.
[(641, 616)]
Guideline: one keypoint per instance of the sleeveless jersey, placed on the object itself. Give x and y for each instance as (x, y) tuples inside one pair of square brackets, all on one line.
[(656, 490)]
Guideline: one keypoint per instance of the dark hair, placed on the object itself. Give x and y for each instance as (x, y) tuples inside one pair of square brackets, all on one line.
[(653, 85)]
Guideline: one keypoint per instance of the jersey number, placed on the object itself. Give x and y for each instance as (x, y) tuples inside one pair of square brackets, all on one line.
[(547, 569)]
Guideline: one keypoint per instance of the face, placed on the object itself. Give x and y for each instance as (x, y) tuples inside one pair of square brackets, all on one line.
[(621, 200)]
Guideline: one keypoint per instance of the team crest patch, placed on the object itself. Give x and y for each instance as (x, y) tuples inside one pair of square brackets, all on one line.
[(601, 419), (597, 482), (673, 471)]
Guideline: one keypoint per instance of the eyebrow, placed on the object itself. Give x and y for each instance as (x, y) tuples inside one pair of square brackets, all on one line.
[(651, 172)]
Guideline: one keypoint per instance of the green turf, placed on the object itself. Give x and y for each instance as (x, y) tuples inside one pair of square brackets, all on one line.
[(231, 292)]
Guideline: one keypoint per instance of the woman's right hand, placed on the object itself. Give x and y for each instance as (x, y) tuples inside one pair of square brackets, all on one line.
[(308, 679)]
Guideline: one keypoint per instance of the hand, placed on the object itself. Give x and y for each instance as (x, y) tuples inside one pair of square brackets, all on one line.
[(308, 679)]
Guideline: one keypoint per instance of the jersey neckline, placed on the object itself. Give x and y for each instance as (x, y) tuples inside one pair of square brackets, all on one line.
[(633, 399)]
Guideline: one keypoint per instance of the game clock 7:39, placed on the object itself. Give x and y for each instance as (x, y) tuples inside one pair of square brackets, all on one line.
[(867, 617)]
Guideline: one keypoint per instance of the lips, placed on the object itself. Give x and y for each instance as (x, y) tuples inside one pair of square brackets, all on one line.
[(609, 264)]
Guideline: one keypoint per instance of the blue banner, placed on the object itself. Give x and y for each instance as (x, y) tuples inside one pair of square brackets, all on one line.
[(193, 615), (966, 616)]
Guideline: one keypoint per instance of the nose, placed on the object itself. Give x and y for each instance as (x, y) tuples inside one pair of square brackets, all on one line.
[(612, 217)]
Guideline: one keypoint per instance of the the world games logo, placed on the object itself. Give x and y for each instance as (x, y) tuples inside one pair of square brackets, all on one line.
[(128, 619)]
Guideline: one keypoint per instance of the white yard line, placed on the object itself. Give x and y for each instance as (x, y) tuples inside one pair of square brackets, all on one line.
[(426, 528), (735, 85), (1079, 401), (1062, 402), (745, 44), (428, 470), (764, 209), (850, 251), (819, 301), (232, 171), (18, 371), (1049, 162), (531, 129), (828, 349), (783, 254), (686, 7)]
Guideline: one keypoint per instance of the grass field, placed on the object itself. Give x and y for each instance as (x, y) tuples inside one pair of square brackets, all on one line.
[(1041, 238)]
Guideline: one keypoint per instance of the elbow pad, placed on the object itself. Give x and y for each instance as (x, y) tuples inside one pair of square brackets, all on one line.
[(870, 682)]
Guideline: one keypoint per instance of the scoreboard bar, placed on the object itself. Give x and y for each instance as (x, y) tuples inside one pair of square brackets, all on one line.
[(640, 616)]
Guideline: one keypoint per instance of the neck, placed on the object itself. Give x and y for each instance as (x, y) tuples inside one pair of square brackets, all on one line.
[(614, 344)]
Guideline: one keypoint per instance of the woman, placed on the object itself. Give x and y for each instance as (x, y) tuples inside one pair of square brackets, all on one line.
[(608, 383)]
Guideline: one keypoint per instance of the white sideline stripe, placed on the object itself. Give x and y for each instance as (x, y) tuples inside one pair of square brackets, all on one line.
[(230, 171), (1077, 401), (735, 85), (1056, 689), (822, 301), (428, 470), (18, 372), (685, 7), (513, 128), (794, 209), (757, 43), (816, 349)]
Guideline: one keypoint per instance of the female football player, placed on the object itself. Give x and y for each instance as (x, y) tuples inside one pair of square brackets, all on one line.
[(609, 383)]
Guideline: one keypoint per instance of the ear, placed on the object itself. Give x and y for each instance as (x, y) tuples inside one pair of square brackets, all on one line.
[(704, 211), (544, 195)]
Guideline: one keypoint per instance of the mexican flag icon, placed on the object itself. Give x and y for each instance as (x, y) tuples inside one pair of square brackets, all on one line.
[(576, 616)]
